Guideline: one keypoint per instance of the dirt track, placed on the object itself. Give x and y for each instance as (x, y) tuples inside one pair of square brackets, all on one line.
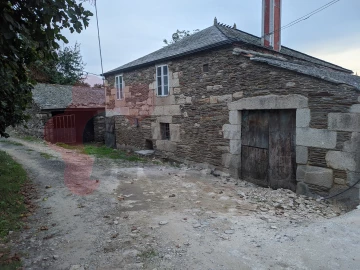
[(208, 222)]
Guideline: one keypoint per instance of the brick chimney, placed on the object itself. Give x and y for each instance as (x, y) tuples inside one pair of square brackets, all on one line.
[(271, 24)]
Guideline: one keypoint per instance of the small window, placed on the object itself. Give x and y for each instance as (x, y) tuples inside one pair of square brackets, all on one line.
[(119, 85), (206, 68), (165, 131), (162, 79)]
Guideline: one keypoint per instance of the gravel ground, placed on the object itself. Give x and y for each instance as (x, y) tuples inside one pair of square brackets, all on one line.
[(111, 214)]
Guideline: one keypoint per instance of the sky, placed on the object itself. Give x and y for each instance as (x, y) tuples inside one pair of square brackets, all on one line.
[(132, 29)]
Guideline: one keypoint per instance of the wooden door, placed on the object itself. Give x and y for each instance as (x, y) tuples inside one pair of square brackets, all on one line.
[(268, 148)]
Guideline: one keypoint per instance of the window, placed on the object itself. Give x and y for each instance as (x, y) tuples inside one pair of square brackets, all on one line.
[(162, 79), (206, 68), (165, 131), (119, 85)]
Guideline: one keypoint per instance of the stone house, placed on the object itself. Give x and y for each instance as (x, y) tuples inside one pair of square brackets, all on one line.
[(244, 105), (65, 113)]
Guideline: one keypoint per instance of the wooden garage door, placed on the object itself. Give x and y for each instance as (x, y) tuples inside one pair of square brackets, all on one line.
[(268, 148)]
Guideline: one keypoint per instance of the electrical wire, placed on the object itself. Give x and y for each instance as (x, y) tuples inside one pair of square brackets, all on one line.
[(332, 196), (303, 18), (98, 30)]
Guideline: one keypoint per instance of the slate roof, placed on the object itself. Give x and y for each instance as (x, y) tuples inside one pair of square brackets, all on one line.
[(53, 96), (211, 37), (326, 74)]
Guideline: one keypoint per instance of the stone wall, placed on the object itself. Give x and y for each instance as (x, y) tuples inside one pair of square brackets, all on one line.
[(99, 128), (202, 109), (36, 123)]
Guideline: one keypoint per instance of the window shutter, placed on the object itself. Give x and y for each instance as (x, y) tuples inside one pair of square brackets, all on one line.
[(117, 87), (121, 87), (159, 82), (166, 80)]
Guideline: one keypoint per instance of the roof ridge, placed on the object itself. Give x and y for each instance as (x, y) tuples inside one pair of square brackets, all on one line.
[(217, 27), (213, 36)]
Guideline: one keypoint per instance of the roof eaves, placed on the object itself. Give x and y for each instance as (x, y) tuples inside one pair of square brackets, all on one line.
[(318, 59)]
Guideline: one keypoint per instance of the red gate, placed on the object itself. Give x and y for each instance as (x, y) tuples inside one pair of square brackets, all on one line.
[(61, 129)]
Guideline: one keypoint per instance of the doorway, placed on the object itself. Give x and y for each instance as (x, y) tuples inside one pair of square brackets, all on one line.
[(268, 148)]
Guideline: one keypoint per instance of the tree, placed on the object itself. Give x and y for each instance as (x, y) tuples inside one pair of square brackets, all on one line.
[(178, 35), (30, 32), (66, 68)]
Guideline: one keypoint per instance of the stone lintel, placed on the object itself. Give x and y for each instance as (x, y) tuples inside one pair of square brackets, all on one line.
[(269, 102), (164, 119), (167, 110)]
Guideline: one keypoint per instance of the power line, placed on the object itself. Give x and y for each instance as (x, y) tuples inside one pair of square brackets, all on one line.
[(303, 18), (98, 30)]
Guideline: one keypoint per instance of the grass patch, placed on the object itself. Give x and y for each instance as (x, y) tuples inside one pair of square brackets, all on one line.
[(100, 151), (30, 139), (11, 142), (148, 254), (70, 146), (12, 207), (106, 152), (46, 155)]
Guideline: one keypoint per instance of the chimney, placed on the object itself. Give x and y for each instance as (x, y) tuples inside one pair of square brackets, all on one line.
[(271, 24)]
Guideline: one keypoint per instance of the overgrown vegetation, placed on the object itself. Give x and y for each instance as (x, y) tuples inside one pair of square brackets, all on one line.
[(31, 31), (12, 206), (12, 177)]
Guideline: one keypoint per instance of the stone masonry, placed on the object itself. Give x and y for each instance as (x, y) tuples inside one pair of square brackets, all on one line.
[(203, 110)]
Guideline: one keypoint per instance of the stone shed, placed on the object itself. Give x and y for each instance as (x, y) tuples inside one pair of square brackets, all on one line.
[(65, 113), (223, 99)]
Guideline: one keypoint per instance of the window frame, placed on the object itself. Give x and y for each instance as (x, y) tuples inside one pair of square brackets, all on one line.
[(205, 66), (165, 131), (120, 89), (162, 76)]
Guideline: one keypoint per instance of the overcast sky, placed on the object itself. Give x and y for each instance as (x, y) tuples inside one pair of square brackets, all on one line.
[(132, 29)]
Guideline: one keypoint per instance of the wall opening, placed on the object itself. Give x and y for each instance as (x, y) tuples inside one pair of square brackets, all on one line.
[(165, 131), (268, 148), (149, 144)]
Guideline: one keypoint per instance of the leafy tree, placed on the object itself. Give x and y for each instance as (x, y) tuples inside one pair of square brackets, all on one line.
[(66, 68), (178, 35), (30, 31)]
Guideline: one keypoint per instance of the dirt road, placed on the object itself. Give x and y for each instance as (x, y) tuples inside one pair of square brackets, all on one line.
[(147, 216)]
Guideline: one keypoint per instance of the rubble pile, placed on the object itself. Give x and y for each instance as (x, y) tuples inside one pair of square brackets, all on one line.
[(286, 203)]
